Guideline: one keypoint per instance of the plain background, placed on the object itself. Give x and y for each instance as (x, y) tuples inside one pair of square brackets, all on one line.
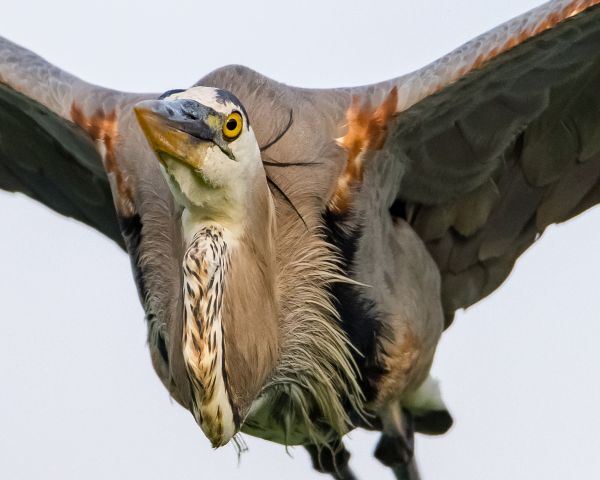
[(78, 396)]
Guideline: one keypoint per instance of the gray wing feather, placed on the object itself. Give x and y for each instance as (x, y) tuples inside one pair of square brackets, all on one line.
[(43, 154)]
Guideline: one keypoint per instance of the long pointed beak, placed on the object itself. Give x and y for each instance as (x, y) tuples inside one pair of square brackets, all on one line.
[(177, 130)]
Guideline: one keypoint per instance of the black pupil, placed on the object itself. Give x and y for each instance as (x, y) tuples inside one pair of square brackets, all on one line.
[(231, 124)]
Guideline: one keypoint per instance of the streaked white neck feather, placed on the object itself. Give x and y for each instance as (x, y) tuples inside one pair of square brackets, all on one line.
[(205, 266)]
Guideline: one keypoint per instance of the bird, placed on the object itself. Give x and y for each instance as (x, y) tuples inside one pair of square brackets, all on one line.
[(458, 221), (212, 163)]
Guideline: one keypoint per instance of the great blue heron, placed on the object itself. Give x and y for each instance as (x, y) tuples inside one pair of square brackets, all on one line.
[(99, 126)]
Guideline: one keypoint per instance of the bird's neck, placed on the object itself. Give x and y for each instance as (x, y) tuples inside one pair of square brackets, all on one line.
[(204, 268), (230, 336)]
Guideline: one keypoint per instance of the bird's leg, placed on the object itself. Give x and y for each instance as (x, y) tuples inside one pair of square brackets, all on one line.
[(332, 459), (395, 448), (396, 445), (367, 132), (407, 472)]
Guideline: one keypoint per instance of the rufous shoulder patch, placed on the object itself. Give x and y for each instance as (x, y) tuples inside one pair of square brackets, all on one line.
[(103, 129), (367, 130), (367, 126)]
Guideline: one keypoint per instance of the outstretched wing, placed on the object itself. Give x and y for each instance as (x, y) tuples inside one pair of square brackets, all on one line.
[(508, 148), (497, 140), (77, 148)]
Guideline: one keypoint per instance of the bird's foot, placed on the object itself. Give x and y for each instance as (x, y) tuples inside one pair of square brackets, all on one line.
[(392, 451), (332, 459), (434, 422), (396, 445), (430, 414)]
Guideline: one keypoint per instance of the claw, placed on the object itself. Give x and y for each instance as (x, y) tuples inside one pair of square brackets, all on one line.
[(333, 460)]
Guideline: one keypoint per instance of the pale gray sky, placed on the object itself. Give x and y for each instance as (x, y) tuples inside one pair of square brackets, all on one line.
[(79, 397)]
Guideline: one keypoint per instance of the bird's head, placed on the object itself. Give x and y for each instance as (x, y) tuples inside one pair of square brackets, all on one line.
[(207, 149)]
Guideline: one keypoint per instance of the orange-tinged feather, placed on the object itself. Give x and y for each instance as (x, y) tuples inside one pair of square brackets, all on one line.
[(103, 129), (367, 130)]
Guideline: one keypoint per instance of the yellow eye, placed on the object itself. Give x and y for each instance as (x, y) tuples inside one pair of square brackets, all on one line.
[(232, 126)]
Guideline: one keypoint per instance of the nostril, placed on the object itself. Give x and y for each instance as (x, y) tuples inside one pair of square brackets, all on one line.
[(189, 110), (191, 114)]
